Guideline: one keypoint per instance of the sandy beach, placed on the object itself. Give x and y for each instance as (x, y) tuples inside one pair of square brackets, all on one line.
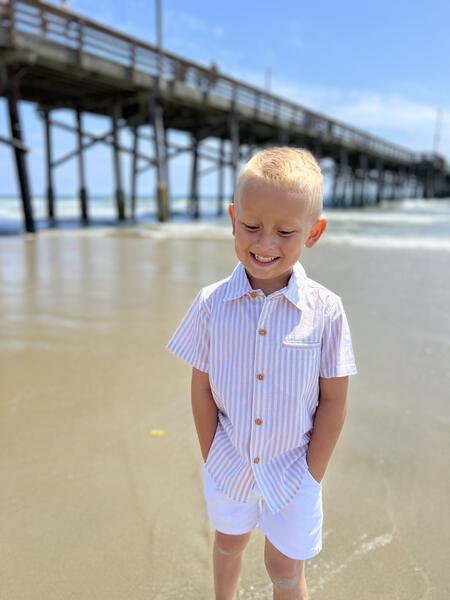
[(93, 507)]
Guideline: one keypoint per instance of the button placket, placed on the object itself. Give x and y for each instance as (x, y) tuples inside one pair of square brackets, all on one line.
[(257, 430)]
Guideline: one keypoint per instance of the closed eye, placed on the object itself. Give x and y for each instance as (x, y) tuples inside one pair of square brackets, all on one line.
[(255, 227)]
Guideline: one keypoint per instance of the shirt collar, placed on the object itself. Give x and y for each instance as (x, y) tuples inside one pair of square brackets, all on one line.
[(239, 285)]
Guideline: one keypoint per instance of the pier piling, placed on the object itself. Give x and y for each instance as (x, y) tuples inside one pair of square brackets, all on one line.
[(17, 143), (83, 198), (134, 171), (220, 178), (162, 190), (194, 207), (119, 194), (49, 165)]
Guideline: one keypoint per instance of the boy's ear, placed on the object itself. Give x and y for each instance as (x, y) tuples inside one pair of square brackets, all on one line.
[(316, 231), (232, 217)]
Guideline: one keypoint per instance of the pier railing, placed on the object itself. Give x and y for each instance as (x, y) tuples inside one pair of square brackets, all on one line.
[(87, 37)]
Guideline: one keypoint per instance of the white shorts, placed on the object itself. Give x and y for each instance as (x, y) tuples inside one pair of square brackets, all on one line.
[(296, 531)]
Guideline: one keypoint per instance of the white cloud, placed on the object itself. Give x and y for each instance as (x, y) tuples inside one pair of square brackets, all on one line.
[(388, 111), (400, 119)]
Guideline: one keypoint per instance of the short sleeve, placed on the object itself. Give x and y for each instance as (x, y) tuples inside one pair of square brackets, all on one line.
[(337, 357), (191, 338)]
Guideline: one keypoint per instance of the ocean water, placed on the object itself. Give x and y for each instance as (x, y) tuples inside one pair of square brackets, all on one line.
[(410, 223)]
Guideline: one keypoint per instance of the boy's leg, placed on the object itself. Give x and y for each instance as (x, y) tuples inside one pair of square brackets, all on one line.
[(227, 559), (287, 574), (293, 535)]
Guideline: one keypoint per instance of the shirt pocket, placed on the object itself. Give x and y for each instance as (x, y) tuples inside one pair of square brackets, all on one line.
[(302, 343)]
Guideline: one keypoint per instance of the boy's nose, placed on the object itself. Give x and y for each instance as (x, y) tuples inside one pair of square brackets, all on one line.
[(266, 243)]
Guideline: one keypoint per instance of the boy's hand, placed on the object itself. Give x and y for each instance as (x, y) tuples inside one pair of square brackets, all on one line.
[(328, 422), (317, 475), (204, 410)]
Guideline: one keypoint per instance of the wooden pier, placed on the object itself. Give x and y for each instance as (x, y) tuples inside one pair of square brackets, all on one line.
[(60, 60)]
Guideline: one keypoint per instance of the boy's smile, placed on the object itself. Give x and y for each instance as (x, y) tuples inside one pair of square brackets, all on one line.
[(271, 225)]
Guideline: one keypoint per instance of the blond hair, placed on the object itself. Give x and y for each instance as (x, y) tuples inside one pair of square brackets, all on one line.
[(294, 169)]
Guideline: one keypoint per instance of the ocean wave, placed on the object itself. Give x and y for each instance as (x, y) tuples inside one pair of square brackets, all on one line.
[(386, 218), (222, 233), (210, 231), (419, 204), (388, 241)]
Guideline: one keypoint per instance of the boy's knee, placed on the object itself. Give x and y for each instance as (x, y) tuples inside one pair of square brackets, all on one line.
[(226, 551), (283, 576), (229, 545), (284, 572)]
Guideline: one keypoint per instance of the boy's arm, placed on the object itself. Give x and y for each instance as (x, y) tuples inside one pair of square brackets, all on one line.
[(328, 422), (204, 410)]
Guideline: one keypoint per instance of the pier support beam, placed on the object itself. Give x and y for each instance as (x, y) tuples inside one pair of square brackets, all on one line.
[(283, 137), (162, 184), (418, 186), (334, 185), (380, 182), (363, 165), (81, 172), (251, 148), (397, 187), (391, 195), (354, 174), (431, 191), (344, 186), (235, 143), (49, 170), (134, 171), (343, 176), (386, 184), (318, 151), (407, 183), (193, 199), (220, 179), (394, 193), (12, 97), (120, 197)]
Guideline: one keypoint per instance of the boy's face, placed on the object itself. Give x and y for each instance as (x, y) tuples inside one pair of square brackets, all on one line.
[(271, 222)]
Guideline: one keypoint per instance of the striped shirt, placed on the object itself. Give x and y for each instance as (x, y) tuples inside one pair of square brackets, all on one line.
[(264, 356)]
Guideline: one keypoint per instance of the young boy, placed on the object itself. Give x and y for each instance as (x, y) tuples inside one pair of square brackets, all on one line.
[(271, 352)]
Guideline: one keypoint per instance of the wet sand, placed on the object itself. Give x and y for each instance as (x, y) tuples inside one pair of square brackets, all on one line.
[(94, 507)]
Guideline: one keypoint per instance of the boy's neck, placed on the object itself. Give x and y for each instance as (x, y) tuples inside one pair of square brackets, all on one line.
[(268, 286)]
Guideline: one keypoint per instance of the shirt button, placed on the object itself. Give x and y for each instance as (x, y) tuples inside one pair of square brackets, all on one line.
[(260, 376), (253, 294), (258, 421), (262, 332), (256, 460)]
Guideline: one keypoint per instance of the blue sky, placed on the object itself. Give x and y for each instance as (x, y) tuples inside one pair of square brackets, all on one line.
[(382, 66)]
